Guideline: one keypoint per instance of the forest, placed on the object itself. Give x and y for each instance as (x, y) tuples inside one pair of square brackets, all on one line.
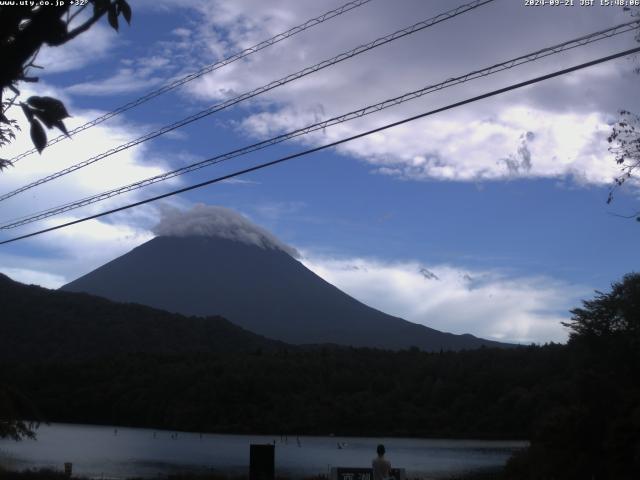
[(578, 404)]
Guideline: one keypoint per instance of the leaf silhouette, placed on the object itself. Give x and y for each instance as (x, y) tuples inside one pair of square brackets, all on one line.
[(4, 163), (27, 111), (38, 136), (60, 125), (54, 107), (125, 9), (113, 16), (49, 111), (54, 32), (100, 6)]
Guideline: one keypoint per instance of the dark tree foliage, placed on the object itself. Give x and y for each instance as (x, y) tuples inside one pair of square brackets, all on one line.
[(14, 406), (41, 325), (488, 393), (624, 139), (595, 434), (77, 326), (625, 145), (36, 474), (613, 314), (24, 29), (105, 362), (109, 363)]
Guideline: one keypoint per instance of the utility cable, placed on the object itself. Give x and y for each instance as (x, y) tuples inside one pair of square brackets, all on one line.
[(203, 71), (330, 145), (250, 94), (527, 58)]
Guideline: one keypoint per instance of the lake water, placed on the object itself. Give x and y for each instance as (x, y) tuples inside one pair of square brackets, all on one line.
[(98, 451)]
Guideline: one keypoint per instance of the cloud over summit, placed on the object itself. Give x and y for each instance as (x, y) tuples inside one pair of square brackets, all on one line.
[(219, 222)]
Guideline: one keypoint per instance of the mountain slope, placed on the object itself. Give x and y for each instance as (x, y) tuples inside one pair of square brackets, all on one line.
[(37, 323), (262, 289)]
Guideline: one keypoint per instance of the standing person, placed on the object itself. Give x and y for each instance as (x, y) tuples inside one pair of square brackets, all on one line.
[(381, 466)]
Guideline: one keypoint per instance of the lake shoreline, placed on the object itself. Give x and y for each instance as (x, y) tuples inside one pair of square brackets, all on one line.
[(123, 452), (435, 436), (52, 474)]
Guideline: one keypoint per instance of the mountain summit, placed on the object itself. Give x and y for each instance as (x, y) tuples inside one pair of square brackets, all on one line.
[(212, 261)]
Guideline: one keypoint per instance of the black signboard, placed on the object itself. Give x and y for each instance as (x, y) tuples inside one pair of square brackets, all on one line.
[(262, 462)]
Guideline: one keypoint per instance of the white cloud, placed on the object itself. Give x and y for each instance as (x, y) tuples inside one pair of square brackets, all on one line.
[(181, 32), (69, 252), (569, 117), (488, 304), (88, 47), (450, 298), (519, 141), (126, 80), (65, 254), (119, 169), (170, 5), (477, 142), (239, 181), (138, 74), (568, 120), (32, 277), (215, 221)]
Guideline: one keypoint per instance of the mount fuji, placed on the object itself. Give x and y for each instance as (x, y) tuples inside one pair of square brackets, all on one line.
[(213, 261)]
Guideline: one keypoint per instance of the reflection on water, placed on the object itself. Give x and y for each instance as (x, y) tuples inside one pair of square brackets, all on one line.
[(127, 452)]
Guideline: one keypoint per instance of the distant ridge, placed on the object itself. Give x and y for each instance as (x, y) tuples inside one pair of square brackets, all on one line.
[(261, 288), (41, 324)]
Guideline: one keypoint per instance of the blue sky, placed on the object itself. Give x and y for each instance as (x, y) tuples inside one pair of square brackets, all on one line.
[(513, 249)]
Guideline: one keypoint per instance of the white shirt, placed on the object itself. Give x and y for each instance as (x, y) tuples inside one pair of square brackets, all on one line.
[(381, 468)]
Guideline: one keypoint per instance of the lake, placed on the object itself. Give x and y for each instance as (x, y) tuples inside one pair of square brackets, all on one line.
[(98, 451)]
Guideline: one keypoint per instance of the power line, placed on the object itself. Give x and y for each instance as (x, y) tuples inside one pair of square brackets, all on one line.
[(265, 88), (332, 144), (527, 58), (203, 71)]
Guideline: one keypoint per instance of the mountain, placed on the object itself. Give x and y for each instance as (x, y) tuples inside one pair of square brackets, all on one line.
[(41, 324), (259, 286)]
